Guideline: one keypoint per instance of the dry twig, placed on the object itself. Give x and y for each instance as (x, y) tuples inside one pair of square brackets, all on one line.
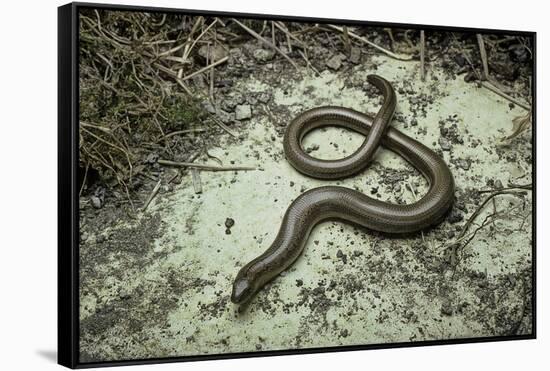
[(347, 42), (205, 167), (401, 57), (223, 126), (197, 185), (483, 54), (422, 56), (152, 195), (494, 89), (266, 42), (491, 86), (461, 239), (204, 69)]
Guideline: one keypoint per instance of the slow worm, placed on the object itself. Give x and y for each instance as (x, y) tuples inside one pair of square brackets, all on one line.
[(344, 204)]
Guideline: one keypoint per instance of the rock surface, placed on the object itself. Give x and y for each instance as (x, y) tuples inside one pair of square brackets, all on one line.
[(158, 284)]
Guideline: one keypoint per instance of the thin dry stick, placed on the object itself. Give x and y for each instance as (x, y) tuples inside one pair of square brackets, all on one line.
[(84, 180), (281, 26), (289, 44), (174, 133), (189, 38), (110, 144), (188, 51), (267, 43), (204, 167), (159, 126), (152, 195), (85, 124), (213, 157), (483, 54), (498, 85), (175, 75), (478, 75), (400, 57), (100, 159), (512, 186), (182, 84), (264, 26), (197, 185), (478, 211), (489, 219), (165, 69), (204, 69), (273, 33), (197, 130), (308, 62), (492, 87), (211, 87), (422, 56), (496, 90), (170, 51), (347, 42), (176, 174), (223, 126)]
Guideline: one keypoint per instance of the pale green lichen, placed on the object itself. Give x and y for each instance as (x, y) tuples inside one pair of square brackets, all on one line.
[(350, 286)]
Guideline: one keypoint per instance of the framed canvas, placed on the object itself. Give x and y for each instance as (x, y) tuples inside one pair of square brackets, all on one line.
[(236, 185)]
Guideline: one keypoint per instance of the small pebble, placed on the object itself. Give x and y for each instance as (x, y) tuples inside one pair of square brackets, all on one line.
[(460, 60), (444, 144), (263, 55), (208, 107), (464, 164), (313, 147), (446, 307), (124, 293), (334, 62), (264, 97), (212, 53), (518, 53), (96, 202), (455, 216), (229, 222), (152, 158), (355, 55), (243, 112), (340, 255)]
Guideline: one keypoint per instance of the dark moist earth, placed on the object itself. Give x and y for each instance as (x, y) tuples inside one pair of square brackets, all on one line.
[(157, 283)]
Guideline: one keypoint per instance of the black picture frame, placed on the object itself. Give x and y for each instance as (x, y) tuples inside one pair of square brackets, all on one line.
[(68, 203)]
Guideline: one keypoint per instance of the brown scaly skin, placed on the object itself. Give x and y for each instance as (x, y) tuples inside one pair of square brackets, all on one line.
[(331, 202)]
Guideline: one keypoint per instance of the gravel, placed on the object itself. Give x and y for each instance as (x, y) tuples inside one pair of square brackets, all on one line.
[(263, 55), (444, 144), (96, 202), (243, 112), (335, 62)]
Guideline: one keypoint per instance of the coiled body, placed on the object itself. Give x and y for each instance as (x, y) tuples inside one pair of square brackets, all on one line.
[(348, 205)]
